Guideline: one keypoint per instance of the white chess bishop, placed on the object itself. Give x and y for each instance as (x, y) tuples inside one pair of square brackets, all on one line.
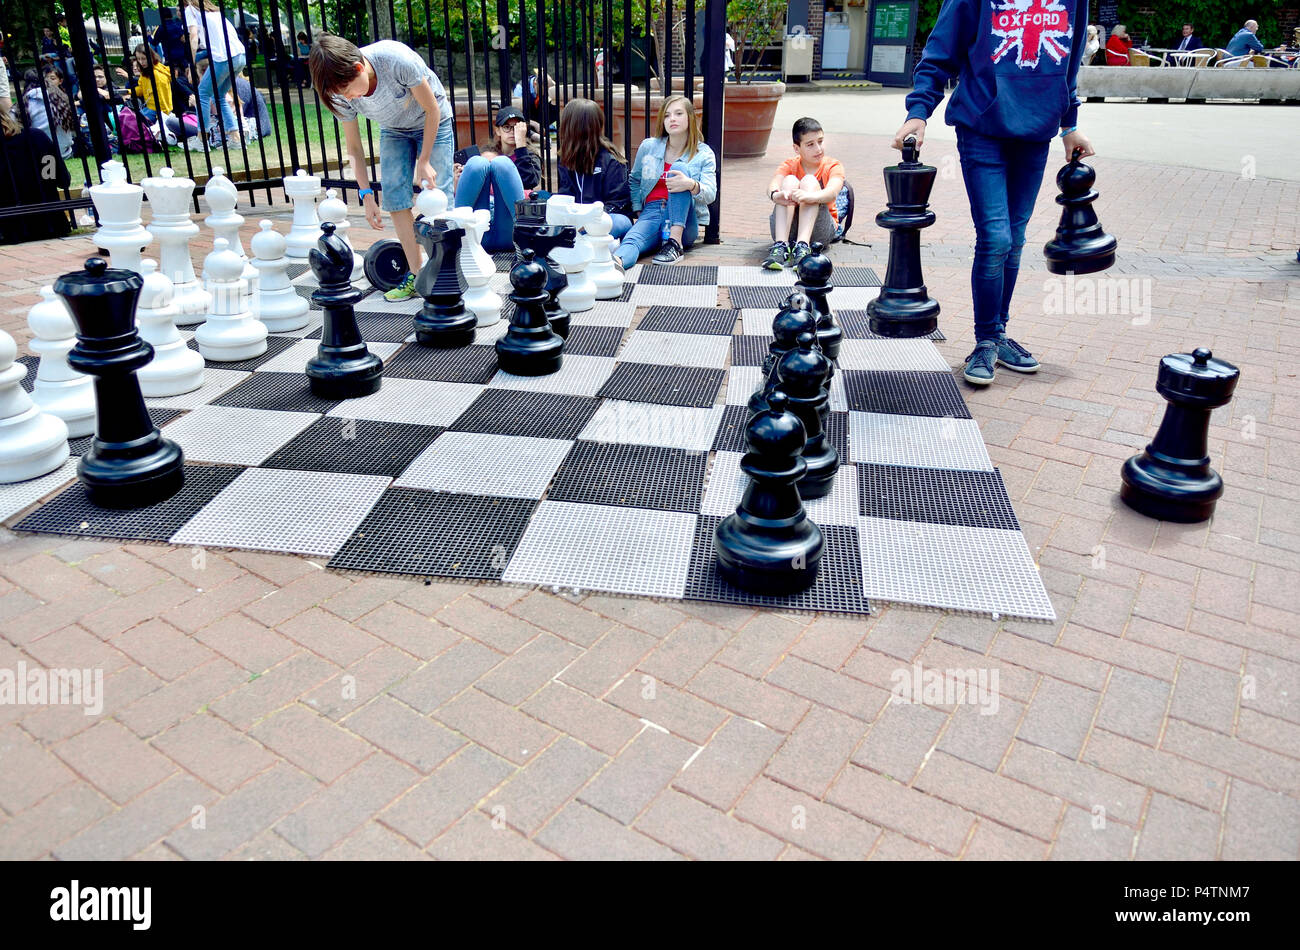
[(32, 442), (335, 210), (59, 389), (117, 202), (225, 222), (230, 333), (607, 277), (278, 305), (580, 295), (175, 368), (169, 199), (477, 264), (302, 189)]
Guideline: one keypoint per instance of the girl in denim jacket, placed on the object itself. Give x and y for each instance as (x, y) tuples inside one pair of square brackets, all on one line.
[(673, 179)]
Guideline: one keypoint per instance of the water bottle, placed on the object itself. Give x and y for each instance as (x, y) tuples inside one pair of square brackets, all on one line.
[(665, 231)]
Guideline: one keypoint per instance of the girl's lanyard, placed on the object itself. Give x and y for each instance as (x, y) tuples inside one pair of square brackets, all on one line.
[(582, 187)]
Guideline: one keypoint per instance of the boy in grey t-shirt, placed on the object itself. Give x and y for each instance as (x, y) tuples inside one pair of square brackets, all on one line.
[(394, 88)]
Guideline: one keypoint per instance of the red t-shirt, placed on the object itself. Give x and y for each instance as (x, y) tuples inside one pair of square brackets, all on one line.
[(660, 191)]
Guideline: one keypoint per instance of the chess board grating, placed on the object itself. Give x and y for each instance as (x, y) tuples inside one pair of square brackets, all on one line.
[(937, 496), (476, 363), (857, 326), (678, 274), (354, 447), (593, 340), (666, 385), (521, 413), (907, 393), (287, 392), (697, 320), (275, 345), (378, 328), (632, 476)]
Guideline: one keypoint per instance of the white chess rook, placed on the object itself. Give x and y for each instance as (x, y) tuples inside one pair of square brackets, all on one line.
[(32, 442), (169, 199), (278, 305), (607, 278), (477, 265), (175, 368), (225, 222), (231, 333), (59, 389), (117, 202), (580, 295), (335, 210), (302, 189)]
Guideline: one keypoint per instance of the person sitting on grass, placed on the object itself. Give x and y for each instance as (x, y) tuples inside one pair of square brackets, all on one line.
[(803, 192), (498, 176)]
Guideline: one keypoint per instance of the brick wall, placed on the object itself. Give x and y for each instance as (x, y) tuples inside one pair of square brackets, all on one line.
[(816, 21)]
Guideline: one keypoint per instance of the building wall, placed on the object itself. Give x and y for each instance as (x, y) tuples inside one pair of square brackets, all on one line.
[(816, 21)]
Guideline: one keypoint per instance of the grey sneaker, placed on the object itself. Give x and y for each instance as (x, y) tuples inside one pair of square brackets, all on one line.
[(670, 253), (981, 365), (798, 252), (776, 256), (1014, 356)]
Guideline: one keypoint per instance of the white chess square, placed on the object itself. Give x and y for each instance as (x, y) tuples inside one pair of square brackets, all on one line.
[(417, 401), (475, 463), (606, 313), (676, 349), (675, 295), (492, 332), (640, 423), (742, 382), (851, 298), (281, 510), (316, 320), (235, 435), (757, 322), (293, 359), (215, 382), (892, 355), (727, 485), (376, 304), (917, 441), (602, 547), (577, 376), (16, 496)]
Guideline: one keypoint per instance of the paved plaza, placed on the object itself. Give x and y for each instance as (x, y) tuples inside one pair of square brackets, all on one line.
[(258, 706)]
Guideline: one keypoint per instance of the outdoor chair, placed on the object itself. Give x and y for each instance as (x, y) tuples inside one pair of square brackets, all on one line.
[(1227, 61), (1137, 57), (1198, 58)]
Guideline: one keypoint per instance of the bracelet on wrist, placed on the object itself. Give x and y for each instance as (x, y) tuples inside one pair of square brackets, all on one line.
[(362, 193), (1065, 132)]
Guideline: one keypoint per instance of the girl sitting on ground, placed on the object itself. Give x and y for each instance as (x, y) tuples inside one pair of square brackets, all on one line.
[(591, 167), (498, 181)]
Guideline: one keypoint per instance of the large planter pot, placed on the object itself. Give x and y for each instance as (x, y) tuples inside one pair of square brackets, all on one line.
[(618, 134), (482, 128), (747, 117)]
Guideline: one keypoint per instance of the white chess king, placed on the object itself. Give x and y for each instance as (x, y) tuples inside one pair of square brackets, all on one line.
[(171, 226), (117, 202)]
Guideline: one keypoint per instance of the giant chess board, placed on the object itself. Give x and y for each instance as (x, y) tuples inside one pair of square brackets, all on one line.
[(608, 475)]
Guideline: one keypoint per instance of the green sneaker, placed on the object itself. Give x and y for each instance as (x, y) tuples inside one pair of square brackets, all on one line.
[(403, 291)]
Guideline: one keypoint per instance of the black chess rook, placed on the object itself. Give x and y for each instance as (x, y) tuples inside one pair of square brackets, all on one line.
[(533, 233), (343, 367), (1080, 245), (802, 375), (1172, 480), (443, 322), (769, 545), (814, 273), (904, 307), (130, 464), (530, 347)]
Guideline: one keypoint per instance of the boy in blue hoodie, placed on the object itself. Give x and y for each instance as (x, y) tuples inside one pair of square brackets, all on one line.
[(1017, 66)]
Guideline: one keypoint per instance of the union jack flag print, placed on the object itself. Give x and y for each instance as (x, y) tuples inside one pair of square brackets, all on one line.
[(1029, 27)]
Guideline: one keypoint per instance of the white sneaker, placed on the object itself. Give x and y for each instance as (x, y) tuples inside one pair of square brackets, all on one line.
[(194, 143)]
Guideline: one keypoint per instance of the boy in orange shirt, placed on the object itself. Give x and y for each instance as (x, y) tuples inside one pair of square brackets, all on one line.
[(803, 191)]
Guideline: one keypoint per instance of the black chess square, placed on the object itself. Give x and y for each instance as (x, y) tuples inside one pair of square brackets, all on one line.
[(731, 433), (30, 362), (72, 513), (354, 447), (679, 275), (522, 412), (715, 321), (842, 276), (378, 327), (935, 495), (749, 350), (588, 340), (437, 534), (856, 325), (274, 346), (306, 290), (631, 476), (476, 363), (665, 385), (290, 392), (904, 393), (81, 444)]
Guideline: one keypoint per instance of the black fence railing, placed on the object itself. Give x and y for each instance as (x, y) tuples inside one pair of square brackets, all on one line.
[(99, 98)]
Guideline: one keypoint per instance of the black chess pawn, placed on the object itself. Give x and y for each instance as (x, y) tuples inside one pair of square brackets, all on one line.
[(904, 307), (530, 347), (343, 367), (802, 375), (795, 318), (1172, 480), (769, 545), (129, 464), (443, 321), (1080, 245), (814, 273), (542, 238)]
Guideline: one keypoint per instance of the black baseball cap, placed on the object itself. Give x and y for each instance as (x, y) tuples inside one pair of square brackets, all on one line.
[(508, 113)]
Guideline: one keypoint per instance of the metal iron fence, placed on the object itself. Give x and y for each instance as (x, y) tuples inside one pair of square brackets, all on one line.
[(620, 55)]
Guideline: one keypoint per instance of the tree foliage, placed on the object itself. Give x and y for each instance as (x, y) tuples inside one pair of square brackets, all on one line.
[(755, 25)]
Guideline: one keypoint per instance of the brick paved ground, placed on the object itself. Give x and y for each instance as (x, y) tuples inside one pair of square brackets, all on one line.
[(317, 714)]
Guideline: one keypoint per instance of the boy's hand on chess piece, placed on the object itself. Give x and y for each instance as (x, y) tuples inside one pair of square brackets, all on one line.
[(424, 172), (910, 127), (1077, 139), (371, 207)]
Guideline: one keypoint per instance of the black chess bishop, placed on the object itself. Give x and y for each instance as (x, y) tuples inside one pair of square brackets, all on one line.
[(530, 347), (343, 367), (443, 322)]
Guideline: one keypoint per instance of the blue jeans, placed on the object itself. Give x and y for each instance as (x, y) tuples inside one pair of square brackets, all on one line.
[(220, 75), (622, 224), (507, 187), (1002, 179), (644, 235), (398, 150)]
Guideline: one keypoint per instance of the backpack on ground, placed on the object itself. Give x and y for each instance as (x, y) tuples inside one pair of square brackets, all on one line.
[(843, 212)]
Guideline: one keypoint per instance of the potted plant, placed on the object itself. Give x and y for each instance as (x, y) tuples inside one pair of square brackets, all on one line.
[(751, 106)]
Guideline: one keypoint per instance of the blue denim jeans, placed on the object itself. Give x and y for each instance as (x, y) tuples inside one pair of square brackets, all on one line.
[(398, 150), (644, 235), (214, 85), (621, 225), (506, 187), (1002, 179)]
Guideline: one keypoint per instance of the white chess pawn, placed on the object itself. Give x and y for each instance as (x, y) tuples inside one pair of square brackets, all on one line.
[(175, 368), (59, 389), (169, 199), (231, 333), (335, 210), (278, 305), (117, 202), (607, 278), (222, 196), (580, 294), (302, 190), (32, 443), (477, 265)]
